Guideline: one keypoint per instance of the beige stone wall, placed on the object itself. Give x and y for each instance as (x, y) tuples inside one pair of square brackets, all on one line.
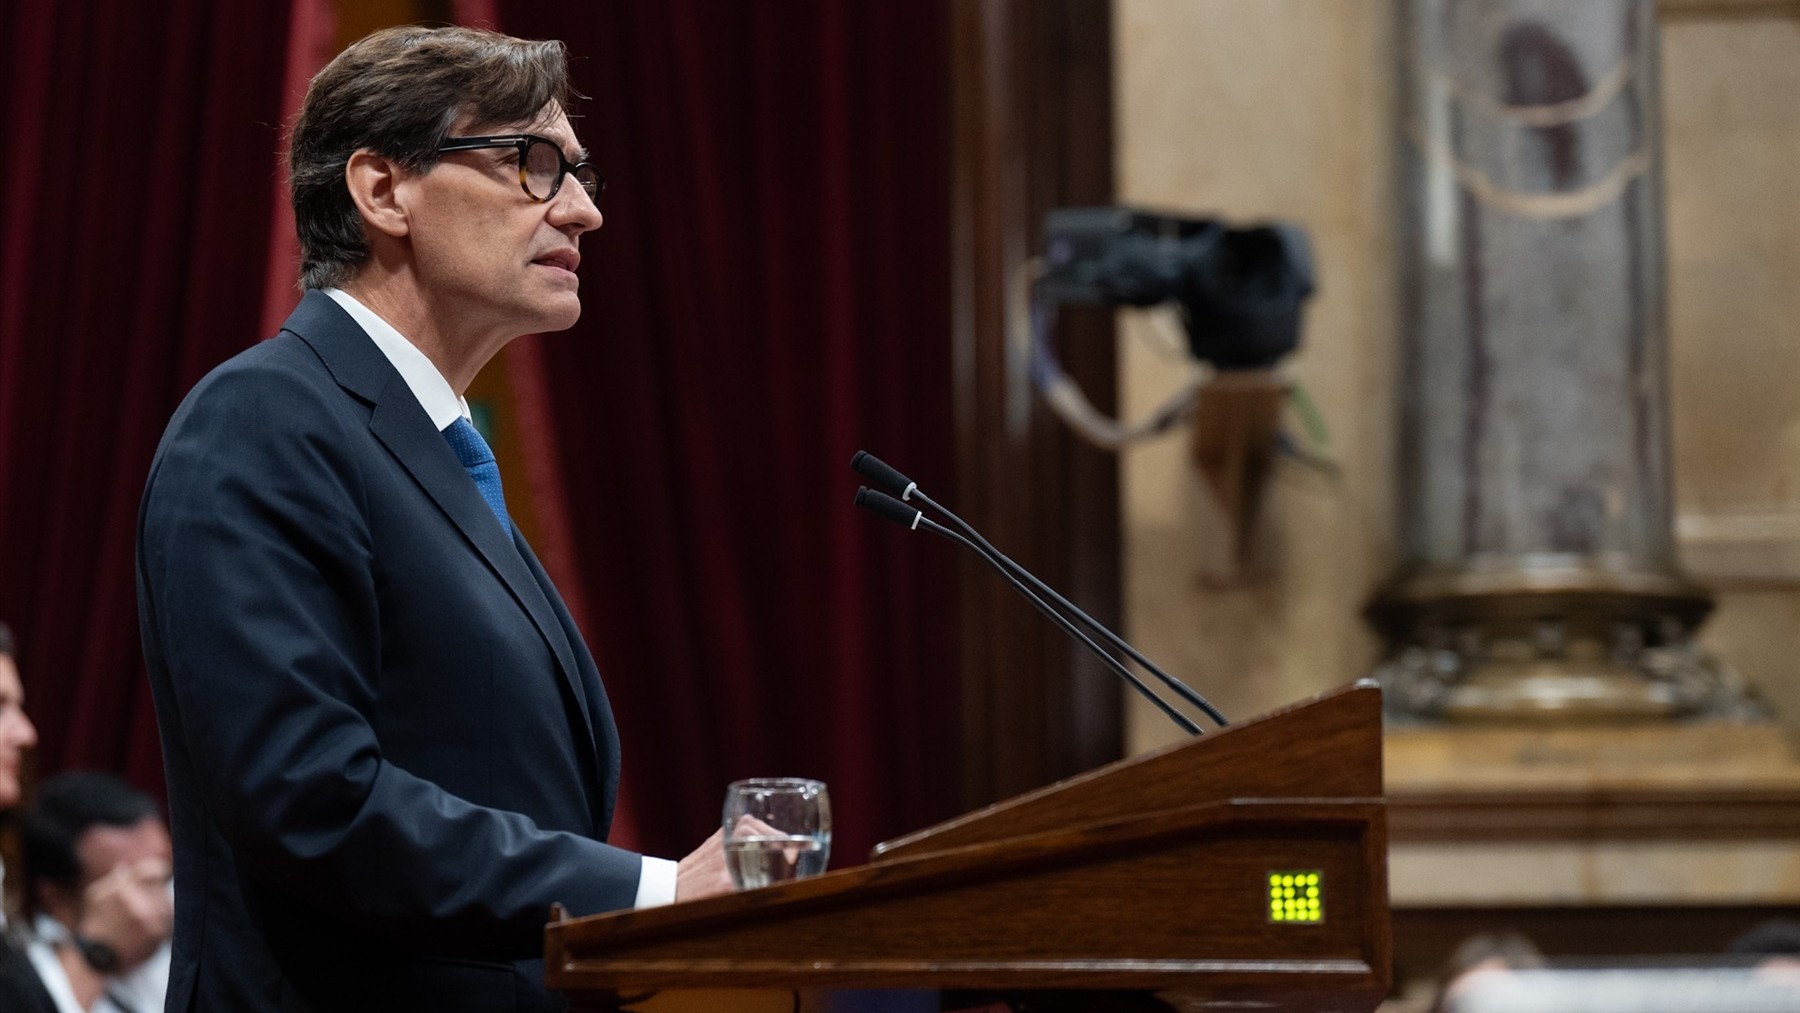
[(1272, 109), (1732, 136), (1282, 108)]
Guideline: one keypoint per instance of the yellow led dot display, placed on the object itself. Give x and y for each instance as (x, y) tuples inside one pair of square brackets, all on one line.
[(1297, 896)]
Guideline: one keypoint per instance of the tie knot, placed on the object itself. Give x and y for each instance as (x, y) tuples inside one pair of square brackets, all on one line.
[(466, 441)]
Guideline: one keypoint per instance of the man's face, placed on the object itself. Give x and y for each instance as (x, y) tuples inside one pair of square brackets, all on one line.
[(98, 851), (489, 258), (16, 731), (102, 848)]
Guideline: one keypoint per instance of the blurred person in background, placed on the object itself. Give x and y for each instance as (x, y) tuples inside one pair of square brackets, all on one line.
[(16, 731), (20, 989), (1773, 949), (1481, 957), (124, 912), (97, 864)]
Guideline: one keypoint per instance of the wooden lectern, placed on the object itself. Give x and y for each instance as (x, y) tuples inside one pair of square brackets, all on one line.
[(1245, 866)]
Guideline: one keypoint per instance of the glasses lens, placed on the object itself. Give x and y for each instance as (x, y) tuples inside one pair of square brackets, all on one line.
[(543, 169), (590, 180)]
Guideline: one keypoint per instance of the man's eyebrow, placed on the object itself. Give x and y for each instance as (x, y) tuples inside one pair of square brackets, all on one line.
[(581, 153)]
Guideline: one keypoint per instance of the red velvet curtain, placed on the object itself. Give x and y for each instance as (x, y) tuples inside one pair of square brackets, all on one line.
[(770, 292), (133, 228)]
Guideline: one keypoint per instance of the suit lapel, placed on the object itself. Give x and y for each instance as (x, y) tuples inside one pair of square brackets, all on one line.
[(606, 733), (400, 423)]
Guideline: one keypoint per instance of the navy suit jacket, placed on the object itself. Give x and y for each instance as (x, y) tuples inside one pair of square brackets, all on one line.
[(21, 990), (387, 747)]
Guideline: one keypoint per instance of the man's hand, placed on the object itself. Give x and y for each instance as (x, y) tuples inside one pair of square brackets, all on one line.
[(703, 873), (129, 909)]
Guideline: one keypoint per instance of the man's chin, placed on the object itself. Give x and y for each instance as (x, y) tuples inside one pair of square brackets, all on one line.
[(558, 314)]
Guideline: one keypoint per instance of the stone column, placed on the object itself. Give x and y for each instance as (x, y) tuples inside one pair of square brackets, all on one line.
[(1539, 574)]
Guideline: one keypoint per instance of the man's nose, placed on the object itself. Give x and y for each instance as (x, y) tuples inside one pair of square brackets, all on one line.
[(573, 206)]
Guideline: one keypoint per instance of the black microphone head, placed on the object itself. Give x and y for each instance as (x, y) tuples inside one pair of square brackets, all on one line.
[(882, 504), (881, 476)]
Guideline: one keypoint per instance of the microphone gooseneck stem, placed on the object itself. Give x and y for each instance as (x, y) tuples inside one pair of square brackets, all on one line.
[(1063, 622), (1006, 566)]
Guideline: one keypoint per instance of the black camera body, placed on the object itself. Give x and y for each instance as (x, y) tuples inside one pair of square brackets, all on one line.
[(1241, 289)]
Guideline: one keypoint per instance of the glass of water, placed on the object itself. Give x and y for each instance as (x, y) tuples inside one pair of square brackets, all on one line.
[(776, 829)]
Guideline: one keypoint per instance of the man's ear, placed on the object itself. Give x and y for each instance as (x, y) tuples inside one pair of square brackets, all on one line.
[(374, 183)]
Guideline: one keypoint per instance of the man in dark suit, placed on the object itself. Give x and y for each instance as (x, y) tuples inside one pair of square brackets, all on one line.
[(388, 750)]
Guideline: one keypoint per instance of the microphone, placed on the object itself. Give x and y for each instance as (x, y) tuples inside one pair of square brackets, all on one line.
[(888, 507), (889, 479)]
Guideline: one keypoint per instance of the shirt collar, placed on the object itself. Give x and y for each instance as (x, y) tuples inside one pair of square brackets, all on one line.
[(422, 377)]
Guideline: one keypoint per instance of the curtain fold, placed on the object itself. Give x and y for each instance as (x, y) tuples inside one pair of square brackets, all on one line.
[(769, 293), (138, 177)]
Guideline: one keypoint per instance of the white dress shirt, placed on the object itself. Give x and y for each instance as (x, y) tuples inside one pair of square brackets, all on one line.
[(139, 990)]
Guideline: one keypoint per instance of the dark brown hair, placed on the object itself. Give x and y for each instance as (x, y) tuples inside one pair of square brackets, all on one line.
[(397, 92)]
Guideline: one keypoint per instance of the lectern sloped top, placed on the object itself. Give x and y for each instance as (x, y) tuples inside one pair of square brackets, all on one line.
[(1328, 747), (1248, 864)]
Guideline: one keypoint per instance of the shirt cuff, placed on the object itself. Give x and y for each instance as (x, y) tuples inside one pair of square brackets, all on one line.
[(656, 883)]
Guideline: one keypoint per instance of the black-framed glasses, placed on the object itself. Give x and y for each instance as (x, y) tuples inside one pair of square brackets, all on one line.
[(541, 163)]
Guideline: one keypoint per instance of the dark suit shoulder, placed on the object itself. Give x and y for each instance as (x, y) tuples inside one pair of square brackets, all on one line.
[(319, 365), (21, 990), (281, 379), (267, 437)]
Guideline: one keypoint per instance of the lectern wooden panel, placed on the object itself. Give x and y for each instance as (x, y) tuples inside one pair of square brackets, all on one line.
[(1161, 873), (1327, 748)]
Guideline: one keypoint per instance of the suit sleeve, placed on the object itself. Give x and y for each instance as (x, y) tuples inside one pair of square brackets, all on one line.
[(261, 608)]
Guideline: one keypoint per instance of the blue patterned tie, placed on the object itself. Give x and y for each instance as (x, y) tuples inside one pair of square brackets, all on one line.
[(479, 462)]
